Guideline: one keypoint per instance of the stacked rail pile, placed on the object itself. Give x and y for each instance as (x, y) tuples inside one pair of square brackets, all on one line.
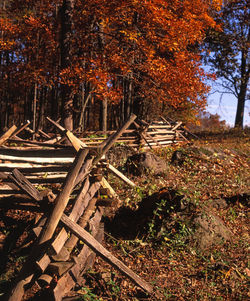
[(77, 208), (144, 135), (140, 135)]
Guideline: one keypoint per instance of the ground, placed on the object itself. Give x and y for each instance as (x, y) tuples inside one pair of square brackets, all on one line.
[(185, 231)]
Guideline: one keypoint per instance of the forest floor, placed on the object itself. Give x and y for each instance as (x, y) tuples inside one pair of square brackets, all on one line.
[(185, 231)]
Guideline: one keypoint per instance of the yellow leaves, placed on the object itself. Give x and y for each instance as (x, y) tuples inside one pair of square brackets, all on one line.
[(130, 35), (6, 45), (174, 46), (198, 122), (216, 4)]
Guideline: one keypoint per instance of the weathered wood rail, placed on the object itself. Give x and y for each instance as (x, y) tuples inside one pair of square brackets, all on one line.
[(53, 254)]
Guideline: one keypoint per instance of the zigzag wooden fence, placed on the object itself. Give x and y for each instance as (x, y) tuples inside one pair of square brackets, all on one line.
[(79, 171)]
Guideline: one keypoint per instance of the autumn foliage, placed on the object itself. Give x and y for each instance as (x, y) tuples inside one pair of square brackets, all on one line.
[(137, 56)]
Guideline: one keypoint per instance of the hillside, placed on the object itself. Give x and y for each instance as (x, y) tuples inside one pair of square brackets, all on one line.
[(185, 230)]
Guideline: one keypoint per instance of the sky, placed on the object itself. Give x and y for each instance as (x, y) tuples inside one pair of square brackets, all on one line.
[(226, 105), (226, 108)]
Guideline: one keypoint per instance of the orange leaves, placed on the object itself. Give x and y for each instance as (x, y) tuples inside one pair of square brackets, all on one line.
[(6, 25), (8, 31), (147, 42), (6, 44)]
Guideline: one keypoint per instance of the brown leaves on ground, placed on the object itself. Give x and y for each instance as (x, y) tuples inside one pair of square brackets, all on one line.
[(213, 178)]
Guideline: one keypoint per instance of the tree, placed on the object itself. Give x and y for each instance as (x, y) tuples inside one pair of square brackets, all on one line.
[(66, 58), (230, 56), (105, 56), (208, 122)]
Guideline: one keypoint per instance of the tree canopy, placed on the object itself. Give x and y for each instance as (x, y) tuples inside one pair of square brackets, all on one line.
[(75, 58)]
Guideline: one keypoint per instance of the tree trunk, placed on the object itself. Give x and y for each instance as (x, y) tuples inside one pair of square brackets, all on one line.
[(7, 94), (86, 96), (104, 114), (130, 95), (245, 70), (240, 112), (54, 103), (34, 107), (66, 55)]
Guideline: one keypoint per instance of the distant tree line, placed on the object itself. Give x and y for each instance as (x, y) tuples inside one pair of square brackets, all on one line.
[(208, 122)]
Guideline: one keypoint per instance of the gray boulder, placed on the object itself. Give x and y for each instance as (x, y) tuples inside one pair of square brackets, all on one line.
[(145, 163)]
